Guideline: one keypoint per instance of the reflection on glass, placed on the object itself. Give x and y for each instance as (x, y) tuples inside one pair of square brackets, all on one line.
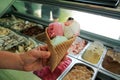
[(97, 24), (46, 12), (28, 6), (50, 12)]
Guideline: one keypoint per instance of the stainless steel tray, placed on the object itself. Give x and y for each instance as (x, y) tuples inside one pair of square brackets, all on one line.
[(78, 63), (78, 39), (12, 39), (108, 72), (99, 62)]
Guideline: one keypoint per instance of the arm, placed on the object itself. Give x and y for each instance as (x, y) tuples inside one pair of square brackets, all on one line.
[(10, 60)]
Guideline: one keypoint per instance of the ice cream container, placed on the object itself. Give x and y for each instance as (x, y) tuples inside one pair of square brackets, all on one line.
[(78, 47), (98, 60), (12, 39), (79, 63), (27, 45), (107, 61), (32, 31)]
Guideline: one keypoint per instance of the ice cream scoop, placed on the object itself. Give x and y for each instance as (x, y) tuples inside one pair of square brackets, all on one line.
[(58, 39), (71, 28), (55, 29)]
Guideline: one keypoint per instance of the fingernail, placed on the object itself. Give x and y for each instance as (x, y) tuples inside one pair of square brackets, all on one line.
[(46, 54)]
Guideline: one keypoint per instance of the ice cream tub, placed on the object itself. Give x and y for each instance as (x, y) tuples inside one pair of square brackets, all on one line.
[(93, 54), (12, 39), (78, 47), (33, 31), (27, 45), (19, 24), (110, 63), (79, 70)]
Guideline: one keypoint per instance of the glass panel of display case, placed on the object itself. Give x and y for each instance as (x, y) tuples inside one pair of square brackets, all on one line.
[(108, 3), (4, 8), (94, 23)]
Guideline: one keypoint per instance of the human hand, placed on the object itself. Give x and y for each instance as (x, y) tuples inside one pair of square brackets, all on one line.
[(35, 59)]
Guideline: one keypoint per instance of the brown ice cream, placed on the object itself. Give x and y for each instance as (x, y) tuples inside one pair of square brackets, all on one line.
[(32, 31), (79, 72), (111, 61)]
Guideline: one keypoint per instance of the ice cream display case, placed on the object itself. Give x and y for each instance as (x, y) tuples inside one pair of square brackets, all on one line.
[(91, 56)]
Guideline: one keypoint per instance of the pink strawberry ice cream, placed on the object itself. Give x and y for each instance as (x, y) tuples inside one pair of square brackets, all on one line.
[(55, 29), (46, 74)]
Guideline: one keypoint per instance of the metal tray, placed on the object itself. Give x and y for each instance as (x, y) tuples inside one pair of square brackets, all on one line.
[(77, 62), (99, 62), (12, 39), (106, 71), (78, 39)]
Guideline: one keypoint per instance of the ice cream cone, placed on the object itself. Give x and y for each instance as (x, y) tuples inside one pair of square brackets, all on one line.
[(58, 51)]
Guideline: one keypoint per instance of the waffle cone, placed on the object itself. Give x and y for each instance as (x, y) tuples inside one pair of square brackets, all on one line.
[(58, 51)]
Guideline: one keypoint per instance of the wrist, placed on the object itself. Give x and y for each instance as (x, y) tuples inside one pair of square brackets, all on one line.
[(21, 60), (9, 60)]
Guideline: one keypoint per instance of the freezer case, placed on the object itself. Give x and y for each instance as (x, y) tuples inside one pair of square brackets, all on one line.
[(96, 71)]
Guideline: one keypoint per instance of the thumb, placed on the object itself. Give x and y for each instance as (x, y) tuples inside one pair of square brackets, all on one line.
[(43, 54)]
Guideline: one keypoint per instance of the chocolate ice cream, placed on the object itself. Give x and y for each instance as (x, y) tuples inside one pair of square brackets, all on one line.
[(110, 63)]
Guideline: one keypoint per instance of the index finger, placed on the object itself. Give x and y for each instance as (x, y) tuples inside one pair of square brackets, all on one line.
[(41, 54), (44, 54), (43, 47)]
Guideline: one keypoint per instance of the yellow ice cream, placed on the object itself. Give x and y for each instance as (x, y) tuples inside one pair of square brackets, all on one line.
[(93, 52)]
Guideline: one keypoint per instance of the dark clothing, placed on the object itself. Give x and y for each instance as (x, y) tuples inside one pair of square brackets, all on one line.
[(46, 9), (29, 8)]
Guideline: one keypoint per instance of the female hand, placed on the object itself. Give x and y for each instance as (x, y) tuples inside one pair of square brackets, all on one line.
[(35, 59)]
